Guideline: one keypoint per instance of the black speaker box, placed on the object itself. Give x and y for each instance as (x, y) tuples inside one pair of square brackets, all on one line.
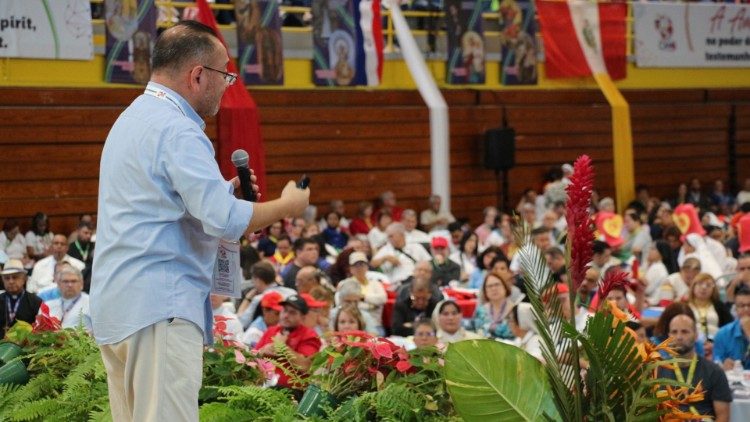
[(500, 149)]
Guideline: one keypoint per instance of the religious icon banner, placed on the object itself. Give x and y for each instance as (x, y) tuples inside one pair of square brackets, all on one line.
[(131, 33), (466, 63), (518, 42), (259, 48)]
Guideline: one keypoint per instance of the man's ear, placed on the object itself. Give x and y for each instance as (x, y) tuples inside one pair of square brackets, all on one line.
[(194, 78)]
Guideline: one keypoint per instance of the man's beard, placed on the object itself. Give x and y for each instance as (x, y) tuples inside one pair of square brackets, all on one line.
[(683, 349)]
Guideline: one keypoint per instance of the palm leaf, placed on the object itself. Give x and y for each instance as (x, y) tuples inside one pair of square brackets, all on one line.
[(549, 322), (483, 379)]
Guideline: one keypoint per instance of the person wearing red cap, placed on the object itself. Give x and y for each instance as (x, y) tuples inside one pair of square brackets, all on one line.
[(270, 306), (302, 341), (443, 269)]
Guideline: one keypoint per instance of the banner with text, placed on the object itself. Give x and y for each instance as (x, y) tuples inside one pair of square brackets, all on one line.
[(692, 35), (131, 33), (43, 29), (260, 52)]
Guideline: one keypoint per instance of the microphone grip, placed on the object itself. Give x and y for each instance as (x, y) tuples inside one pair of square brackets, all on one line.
[(247, 188)]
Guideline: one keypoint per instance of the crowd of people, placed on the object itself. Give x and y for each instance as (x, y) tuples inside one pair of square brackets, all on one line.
[(426, 278)]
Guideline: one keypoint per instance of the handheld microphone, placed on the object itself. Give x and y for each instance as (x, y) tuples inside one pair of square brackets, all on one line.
[(241, 160)]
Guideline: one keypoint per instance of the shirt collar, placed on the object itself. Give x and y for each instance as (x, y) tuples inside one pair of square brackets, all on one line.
[(185, 107), (737, 330)]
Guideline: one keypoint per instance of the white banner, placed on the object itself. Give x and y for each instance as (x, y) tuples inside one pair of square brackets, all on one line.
[(46, 29), (692, 35)]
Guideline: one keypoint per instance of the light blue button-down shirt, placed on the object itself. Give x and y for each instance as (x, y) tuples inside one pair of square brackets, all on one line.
[(163, 206)]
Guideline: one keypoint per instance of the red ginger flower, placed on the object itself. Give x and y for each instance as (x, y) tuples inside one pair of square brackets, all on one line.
[(580, 232), (611, 280)]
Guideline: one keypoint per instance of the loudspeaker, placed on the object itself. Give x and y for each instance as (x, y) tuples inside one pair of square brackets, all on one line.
[(500, 149)]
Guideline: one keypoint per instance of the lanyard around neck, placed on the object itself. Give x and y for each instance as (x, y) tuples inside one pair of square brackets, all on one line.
[(12, 310), (163, 95), (84, 253), (689, 382)]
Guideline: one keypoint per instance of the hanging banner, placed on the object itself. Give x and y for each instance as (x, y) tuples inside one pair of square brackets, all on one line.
[(334, 42), (259, 47), (46, 29), (518, 42), (692, 35), (465, 43), (131, 33)]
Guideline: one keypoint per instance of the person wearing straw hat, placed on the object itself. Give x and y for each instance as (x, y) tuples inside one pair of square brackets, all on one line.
[(16, 304)]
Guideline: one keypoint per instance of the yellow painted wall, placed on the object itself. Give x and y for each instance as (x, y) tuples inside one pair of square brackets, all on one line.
[(66, 73)]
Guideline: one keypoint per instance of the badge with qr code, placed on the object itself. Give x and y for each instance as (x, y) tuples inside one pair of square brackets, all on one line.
[(227, 271)]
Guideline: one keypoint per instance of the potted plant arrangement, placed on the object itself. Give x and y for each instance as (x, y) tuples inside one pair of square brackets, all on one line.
[(598, 373), (354, 362)]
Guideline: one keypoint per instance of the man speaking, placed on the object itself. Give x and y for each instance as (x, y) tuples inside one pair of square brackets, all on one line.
[(163, 208)]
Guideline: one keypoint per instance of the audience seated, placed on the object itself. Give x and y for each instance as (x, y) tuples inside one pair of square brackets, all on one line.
[(16, 304), (466, 256), (372, 294), (333, 234), (447, 315), (39, 238), (12, 242), (425, 333), (413, 234), (377, 235), (43, 273), (490, 318), (521, 324), (419, 303), (302, 341), (397, 257), (224, 309), (348, 318), (444, 270), (82, 249), (306, 252), (697, 370), (263, 278), (72, 307), (363, 223), (435, 218), (710, 312), (732, 342), (270, 309)]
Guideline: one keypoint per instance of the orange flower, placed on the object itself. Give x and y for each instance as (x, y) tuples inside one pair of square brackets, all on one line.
[(617, 312), (650, 353)]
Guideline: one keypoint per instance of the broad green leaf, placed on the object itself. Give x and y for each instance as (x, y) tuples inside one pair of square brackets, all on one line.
[(489, 380)]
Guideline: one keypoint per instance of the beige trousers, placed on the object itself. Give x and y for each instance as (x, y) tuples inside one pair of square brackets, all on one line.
[(155, 374)]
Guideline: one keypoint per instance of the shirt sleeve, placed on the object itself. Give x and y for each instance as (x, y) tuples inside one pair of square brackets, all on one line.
[(309, 346), (718, 385), (189, 164), (720, 349)]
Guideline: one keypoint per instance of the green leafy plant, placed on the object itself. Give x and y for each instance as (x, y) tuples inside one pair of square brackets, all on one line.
[(249, 403), (597, 374), (68, 379)]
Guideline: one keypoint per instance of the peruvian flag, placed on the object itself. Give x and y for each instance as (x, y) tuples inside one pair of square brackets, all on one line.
[(582, 38), (370, 42)]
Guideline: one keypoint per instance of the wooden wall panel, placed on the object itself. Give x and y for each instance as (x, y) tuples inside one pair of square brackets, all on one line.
[(356, 144)]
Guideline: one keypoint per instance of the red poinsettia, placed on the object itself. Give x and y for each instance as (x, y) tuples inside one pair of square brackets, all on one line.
[(45, 322), (355, 361), (580, 231)]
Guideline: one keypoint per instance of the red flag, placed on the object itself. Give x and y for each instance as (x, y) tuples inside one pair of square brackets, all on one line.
[(582, 38), (238, 122)]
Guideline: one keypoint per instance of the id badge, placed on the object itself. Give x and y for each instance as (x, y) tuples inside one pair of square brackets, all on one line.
[(227, 272)]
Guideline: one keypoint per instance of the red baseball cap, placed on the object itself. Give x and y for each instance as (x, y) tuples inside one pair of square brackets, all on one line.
[(272, 300), (439, 242), (312, 302)]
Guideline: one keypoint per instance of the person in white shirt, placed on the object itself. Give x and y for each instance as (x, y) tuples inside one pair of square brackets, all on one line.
[(433, 218), (44, 270), (413, 234), (222, 308), (12, 242), (397, 258), (521, 324), (72, 307), (377, 236), (372, 292), (39, 238)]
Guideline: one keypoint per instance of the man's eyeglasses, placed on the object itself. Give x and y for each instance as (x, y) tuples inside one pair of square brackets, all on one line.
[(229, 78)]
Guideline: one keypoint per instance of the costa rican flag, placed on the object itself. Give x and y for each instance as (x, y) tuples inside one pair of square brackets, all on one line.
[(582, 38), (370, 42)]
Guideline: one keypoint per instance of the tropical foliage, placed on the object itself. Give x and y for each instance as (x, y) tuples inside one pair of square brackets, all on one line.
[(596, 374)]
